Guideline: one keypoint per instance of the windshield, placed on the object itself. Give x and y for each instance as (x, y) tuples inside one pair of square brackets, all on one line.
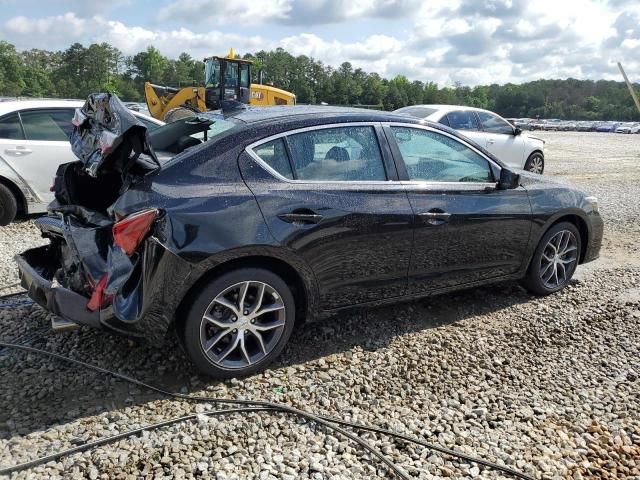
[(212, 73)]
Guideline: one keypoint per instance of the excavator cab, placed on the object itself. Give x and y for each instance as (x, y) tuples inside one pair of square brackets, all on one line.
[(226, 78)]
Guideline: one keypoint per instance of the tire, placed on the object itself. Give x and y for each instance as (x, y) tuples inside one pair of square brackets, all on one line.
[(563, 238), (535, 163), (179, 113), (223, 347), (8, 206)]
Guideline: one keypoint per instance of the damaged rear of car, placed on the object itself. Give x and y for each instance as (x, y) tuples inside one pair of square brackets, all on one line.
[(116, 236)]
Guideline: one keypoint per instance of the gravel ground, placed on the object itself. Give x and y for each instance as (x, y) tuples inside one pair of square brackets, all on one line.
[(550, 386)]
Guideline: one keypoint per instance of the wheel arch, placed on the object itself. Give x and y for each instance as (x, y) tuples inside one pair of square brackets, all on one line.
[(300, 281), (572, 216), (582, 226), (23, 208)]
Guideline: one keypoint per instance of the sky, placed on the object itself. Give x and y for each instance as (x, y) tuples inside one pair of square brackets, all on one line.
[(447, 41)]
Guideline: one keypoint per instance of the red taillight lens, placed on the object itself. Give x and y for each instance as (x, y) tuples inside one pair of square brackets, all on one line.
[(129, 232), (98, 298)]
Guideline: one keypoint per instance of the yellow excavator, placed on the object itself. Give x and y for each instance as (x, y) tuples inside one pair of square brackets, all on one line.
[(226, 78)]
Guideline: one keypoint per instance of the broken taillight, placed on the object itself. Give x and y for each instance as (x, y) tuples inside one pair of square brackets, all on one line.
[(98, 298), (131, 230)]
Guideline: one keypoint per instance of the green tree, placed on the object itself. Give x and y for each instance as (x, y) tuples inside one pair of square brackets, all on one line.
[(78, 71), (11, 70), (150, 65)]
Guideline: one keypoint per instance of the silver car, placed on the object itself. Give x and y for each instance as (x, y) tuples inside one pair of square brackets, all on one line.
[(34, 140), (489, 130)]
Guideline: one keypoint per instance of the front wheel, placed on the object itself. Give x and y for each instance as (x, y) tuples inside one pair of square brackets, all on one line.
[(555, 260), (535, 163), (239, 323)]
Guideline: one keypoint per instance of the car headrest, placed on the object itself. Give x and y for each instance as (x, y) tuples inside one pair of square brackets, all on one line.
[(339, 154)]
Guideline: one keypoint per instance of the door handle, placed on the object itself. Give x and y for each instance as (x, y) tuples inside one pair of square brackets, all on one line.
[(18, 151), (435, 218), (491, 141), (301, 216)]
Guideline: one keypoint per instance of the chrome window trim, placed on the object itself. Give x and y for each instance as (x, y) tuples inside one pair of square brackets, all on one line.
[(453, 137), (268, 168), (475, 186), (466, 185)]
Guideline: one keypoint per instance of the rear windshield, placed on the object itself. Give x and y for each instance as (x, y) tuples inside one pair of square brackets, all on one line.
[(418, 112), (172, 139), (217, 128)]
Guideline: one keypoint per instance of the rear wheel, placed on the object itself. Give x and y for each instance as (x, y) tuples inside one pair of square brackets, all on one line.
[(535, 163), (239, 323), (555, 260), (8, 206)]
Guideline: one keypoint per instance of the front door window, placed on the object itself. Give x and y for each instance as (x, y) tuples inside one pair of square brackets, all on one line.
[(432, 157)]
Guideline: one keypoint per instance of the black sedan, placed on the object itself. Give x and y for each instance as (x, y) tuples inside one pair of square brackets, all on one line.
[(236, 226)]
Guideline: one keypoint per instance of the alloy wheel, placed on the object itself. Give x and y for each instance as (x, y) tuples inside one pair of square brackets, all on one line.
[(242, 325), (559, 259), (536, 164)]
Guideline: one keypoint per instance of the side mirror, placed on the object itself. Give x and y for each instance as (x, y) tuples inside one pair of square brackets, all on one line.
[(517, 131), (508, 180)]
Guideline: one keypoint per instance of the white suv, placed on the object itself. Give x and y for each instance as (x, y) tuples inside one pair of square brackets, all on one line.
[(488, 130), (34, 140)]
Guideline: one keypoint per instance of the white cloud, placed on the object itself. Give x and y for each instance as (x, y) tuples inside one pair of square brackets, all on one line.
[(372, 48), (68, 24), (222, 11), (443, 41), (292, 12)]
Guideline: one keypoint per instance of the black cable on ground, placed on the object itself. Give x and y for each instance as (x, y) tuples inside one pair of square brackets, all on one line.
[(249, 405), (15, 304), (119, 436)]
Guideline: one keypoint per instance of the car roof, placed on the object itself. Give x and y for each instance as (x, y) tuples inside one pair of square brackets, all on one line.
[(13, 105), (8, 106), (252, 115), (442, 108)]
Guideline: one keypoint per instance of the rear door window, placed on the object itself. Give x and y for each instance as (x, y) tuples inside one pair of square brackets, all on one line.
[(462, 120), (10, 128), (349, 153), (274, 154), (49, 125)]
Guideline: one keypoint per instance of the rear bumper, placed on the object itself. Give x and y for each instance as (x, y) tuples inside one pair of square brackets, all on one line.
[(51, 296), (144, 308)]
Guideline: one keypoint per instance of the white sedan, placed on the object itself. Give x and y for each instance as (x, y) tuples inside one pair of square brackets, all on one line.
[(34, 140), (489, 130)]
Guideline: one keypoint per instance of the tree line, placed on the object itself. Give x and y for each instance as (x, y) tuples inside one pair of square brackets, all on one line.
[(79, 70)]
